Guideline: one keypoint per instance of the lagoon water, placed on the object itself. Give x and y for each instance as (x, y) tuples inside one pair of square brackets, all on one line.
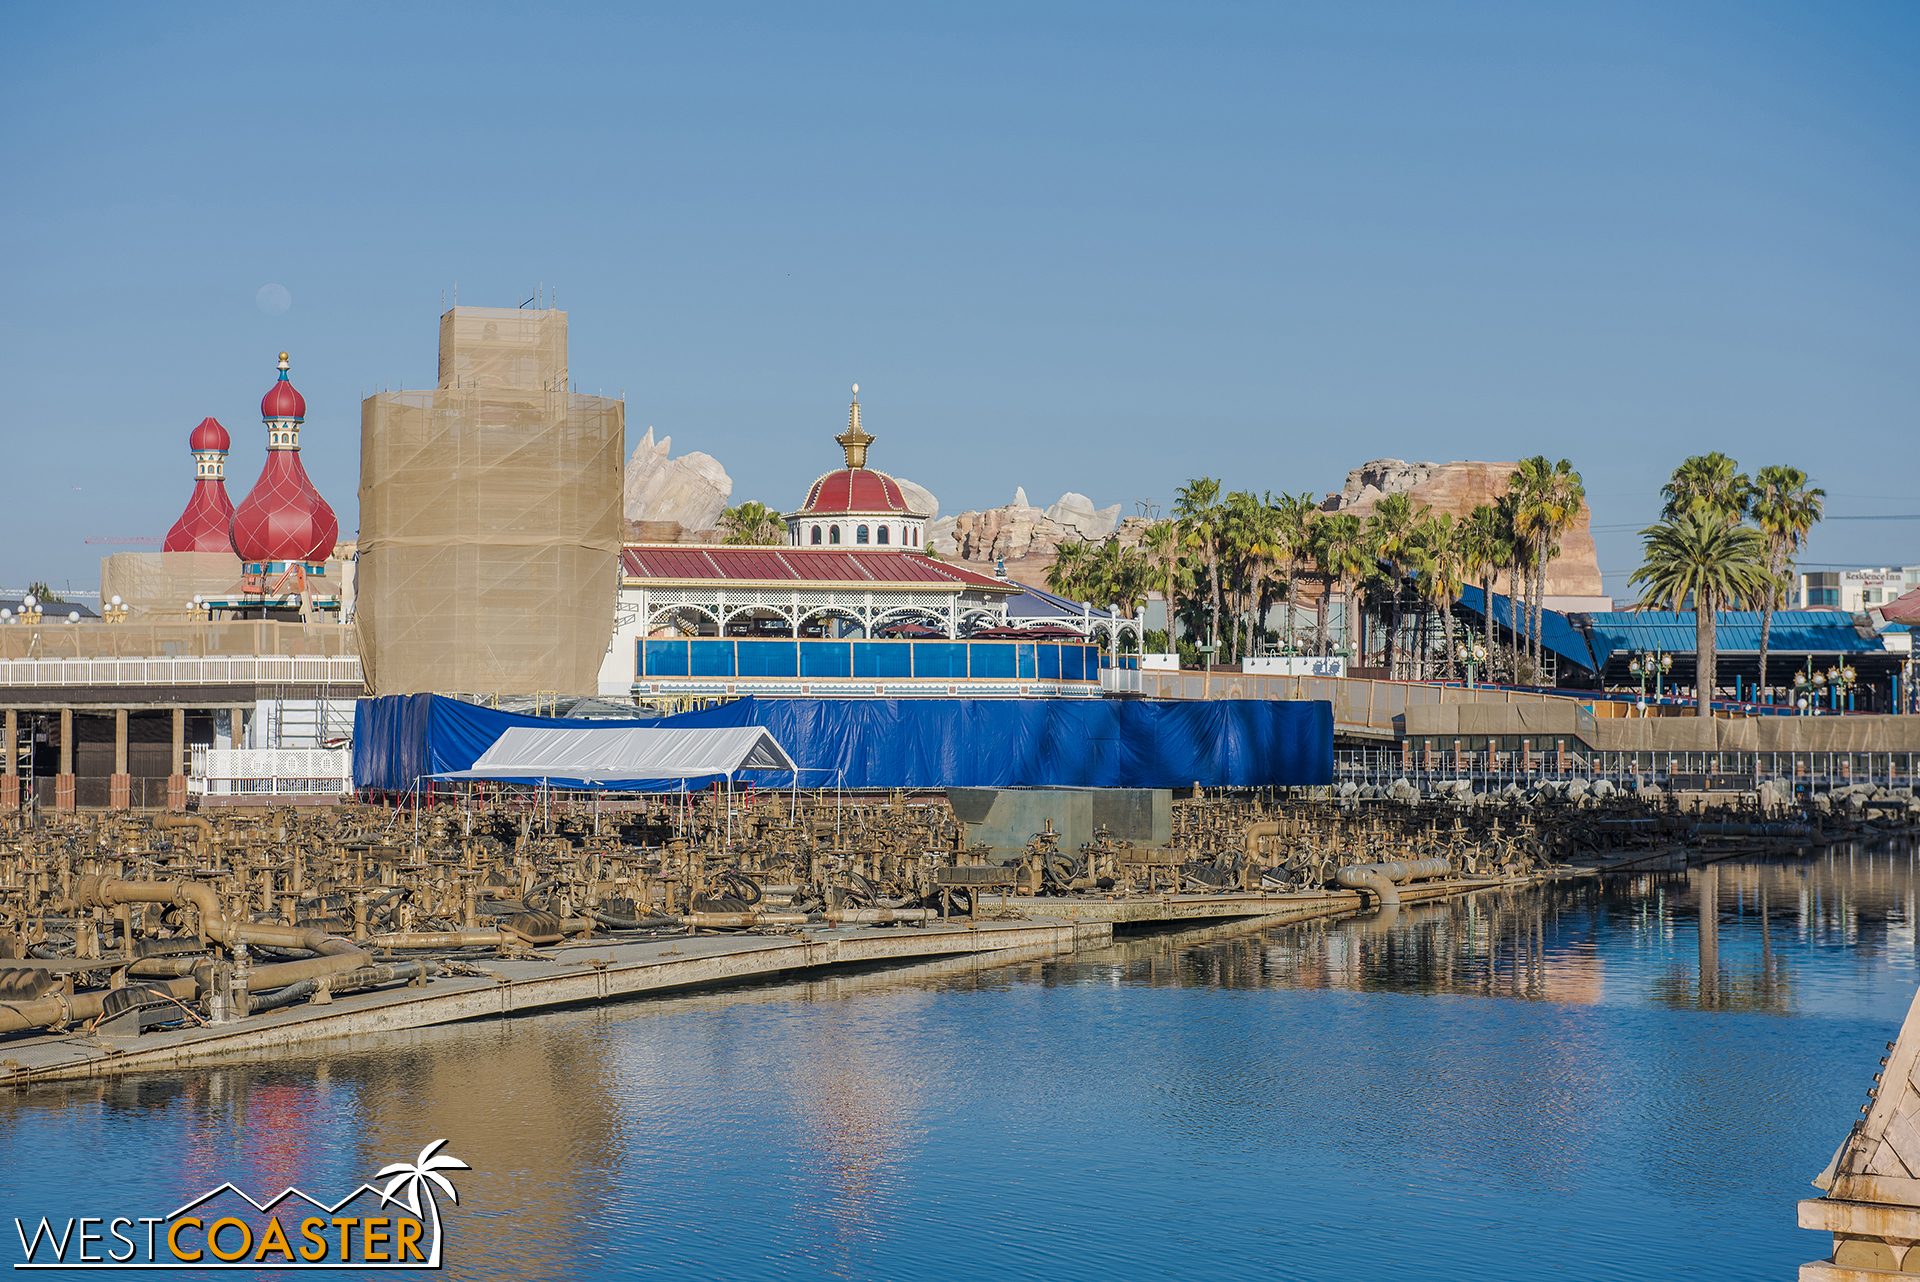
[(1576, 1080)]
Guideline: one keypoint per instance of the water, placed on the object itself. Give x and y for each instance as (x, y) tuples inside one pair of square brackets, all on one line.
[(1547, 1082)]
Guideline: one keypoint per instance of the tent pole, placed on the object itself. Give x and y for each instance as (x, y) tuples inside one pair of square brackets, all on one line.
[(729, 810)]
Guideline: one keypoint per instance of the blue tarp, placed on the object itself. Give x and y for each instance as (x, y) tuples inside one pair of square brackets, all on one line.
[(918, 743)]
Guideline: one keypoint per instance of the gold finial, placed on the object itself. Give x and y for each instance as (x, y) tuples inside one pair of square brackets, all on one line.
[(283, 361), (854, 441)]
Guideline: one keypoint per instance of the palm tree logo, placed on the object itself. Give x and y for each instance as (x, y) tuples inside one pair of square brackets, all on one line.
[(413, 1179)]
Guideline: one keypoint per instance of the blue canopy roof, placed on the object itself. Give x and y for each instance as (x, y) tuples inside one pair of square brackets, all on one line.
[(1556, 633), (1735, 632)]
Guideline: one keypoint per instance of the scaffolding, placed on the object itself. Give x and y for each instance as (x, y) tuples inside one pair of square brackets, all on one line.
[(490, 510), (163, 585)]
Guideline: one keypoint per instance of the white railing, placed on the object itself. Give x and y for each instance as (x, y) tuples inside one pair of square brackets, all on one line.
[(277, 771), (266, 669)]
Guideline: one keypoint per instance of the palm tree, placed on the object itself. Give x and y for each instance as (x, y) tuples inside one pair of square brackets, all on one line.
[(1250, 538), (1293, 534), (1390, 533), (1486, 544), (1201, 517), (1117, 575), (1519, 556), (755, 524), (411, 1180), (1340, 553), (1067, 574), (1161, 546), (1784, 507), (1439, 552), (1712, 481), (1699, 555), (1551, 497)]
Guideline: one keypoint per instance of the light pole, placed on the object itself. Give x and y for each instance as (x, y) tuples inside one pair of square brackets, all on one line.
[(1650, 665), (116, 611), (1473, 654)]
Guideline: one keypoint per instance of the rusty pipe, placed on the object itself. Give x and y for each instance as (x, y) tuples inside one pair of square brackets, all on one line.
[(1379, 880), (336, 954), (1252, 836), (472, 938), (57, 1008), (186, 821)]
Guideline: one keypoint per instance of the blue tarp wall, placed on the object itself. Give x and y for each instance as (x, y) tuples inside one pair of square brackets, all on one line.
[(917, 743)]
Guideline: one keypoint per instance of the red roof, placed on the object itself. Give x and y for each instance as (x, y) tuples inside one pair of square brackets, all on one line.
[(1903, 609), (799, 565), (856, 489), (209, 436)]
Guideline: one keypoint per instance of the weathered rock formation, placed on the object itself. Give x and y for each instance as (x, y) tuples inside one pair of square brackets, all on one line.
[(1027, 537), (919, 498), (1459, 488), (691, 490)]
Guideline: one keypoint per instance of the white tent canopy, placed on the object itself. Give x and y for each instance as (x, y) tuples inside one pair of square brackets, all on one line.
[(614, 754)]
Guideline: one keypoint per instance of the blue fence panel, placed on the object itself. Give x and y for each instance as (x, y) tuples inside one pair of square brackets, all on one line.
[(990, 659), (939, 659), (877, 660), (1027, 664), (768, 658), (710, 659), (663, 658), (826, 658), (1049, 664)]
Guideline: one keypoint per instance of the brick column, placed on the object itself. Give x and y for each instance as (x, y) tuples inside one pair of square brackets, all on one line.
[(120, 786), (177, 781), (63, 782)]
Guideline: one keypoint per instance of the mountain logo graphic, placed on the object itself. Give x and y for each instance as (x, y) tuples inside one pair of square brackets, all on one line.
[(392, 1226)]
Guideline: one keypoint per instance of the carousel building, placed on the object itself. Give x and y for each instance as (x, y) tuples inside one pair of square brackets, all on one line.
[(852, 606)]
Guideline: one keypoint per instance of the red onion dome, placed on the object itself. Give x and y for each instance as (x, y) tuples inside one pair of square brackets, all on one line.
[(203, 527), (284, 518), (282, 400), (209, 436), (855, 489)]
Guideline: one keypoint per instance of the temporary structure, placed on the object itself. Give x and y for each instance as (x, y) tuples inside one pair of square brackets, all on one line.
[(611, 757)]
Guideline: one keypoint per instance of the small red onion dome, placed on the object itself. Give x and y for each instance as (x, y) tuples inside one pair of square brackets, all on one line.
[(282, 399), (205, 525), (209, 436)]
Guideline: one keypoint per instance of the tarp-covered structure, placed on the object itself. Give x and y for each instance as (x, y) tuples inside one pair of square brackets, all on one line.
[(917, 743), (623, 757), (490, 508)]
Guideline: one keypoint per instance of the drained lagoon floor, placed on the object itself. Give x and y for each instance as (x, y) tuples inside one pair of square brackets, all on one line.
[(1573, 1080)]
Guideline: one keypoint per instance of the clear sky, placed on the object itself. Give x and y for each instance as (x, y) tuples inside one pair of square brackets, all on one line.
[(1093, 247)]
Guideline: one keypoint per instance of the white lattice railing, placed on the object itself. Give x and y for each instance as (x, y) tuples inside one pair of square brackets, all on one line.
[(280, 771), (271, 669)]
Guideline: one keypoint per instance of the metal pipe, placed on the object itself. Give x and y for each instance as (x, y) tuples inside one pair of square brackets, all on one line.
[(1266, 828), (1379, 880)]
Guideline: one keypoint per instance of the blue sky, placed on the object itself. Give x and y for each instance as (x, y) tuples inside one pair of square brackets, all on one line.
[(1102, 248)]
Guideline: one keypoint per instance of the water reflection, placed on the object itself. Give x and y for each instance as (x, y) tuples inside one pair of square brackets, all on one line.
[(1667, 1047)]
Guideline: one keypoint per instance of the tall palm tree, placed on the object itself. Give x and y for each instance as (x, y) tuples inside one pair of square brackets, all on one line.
[(1697, 554), (1439, 550), (1519, 556), (1340, 553), (1785, 508), (1712, 481), (1551, 496), (1161, 546), (1293, 533), (1486, 544), (1201, 516), (755, 524), (1390, 533), (1067, 576), (1252, 539)]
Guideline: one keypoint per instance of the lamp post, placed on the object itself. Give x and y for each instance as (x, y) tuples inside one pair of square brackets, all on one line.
[(30, 611), (1841, 678), (115, 611), (1650, 665), (1473, 654)]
